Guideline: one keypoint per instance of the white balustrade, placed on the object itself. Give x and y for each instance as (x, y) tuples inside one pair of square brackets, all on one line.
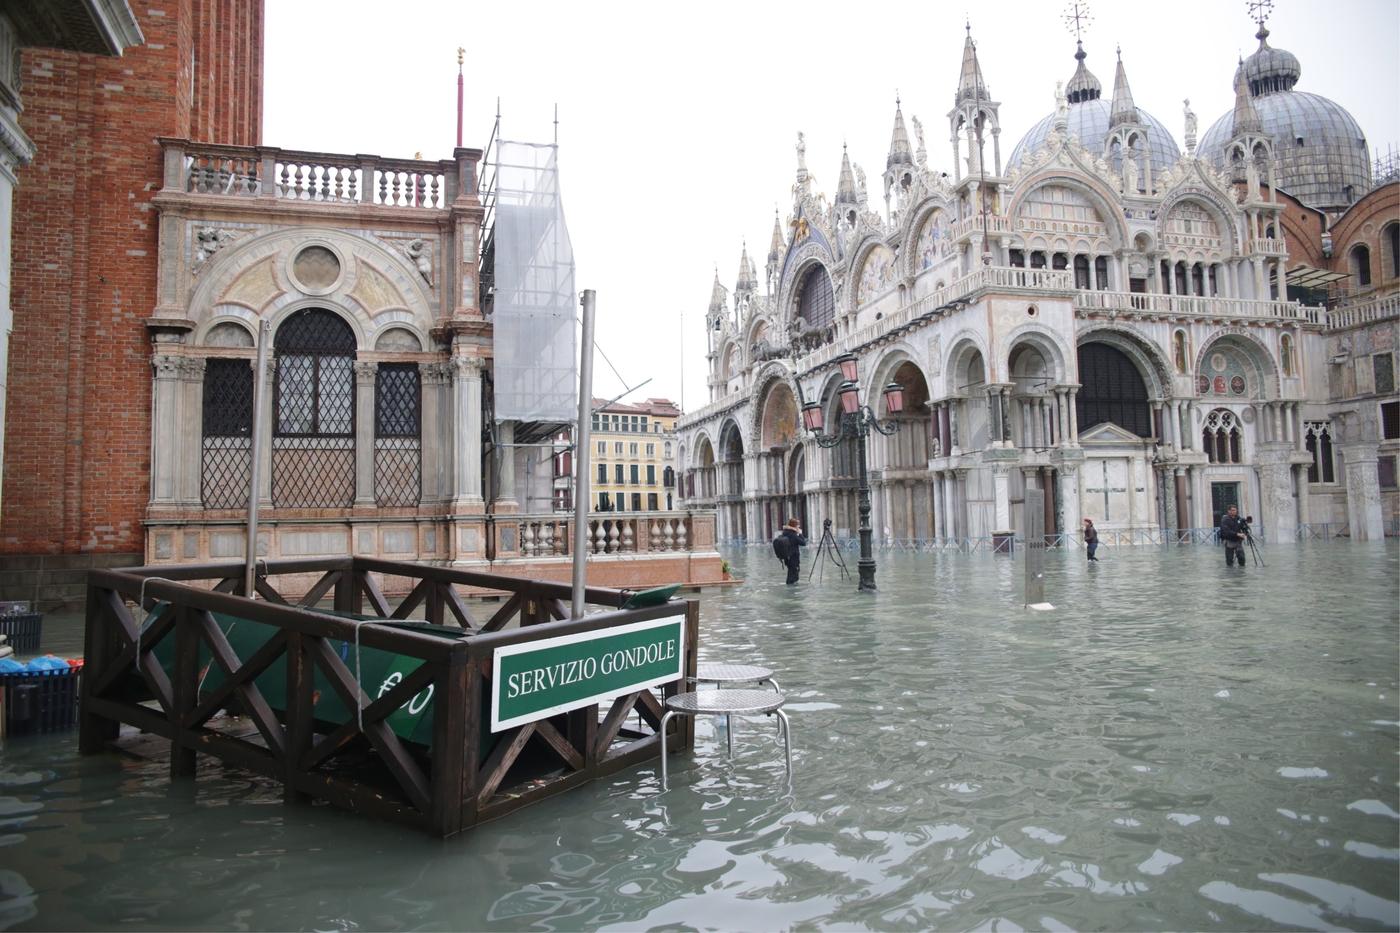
[(1364, 312)]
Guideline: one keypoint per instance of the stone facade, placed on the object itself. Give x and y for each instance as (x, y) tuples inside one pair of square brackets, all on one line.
[(1105, 320)]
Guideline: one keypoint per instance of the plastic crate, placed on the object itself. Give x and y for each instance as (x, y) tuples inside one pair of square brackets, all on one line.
[(22, 630), (40, 701)]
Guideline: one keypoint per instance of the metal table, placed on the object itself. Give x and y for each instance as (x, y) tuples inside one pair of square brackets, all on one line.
[(727, 703), (720, 673)]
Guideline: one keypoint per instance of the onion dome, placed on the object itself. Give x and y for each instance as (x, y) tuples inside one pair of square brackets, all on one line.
[(1083, 86), (1322, 156)]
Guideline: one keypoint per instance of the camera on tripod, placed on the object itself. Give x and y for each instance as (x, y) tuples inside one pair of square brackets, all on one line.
[(1244, 528)]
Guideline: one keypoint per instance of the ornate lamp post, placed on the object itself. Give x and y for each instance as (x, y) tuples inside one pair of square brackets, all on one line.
[(856, 421)]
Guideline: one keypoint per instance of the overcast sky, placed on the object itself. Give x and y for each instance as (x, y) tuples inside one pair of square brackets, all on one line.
[(677, 121)]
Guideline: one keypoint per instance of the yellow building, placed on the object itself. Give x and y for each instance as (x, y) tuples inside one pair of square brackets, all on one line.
[(633, 459)]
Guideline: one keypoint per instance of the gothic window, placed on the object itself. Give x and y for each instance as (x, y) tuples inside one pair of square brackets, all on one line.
[(226, 460), (397, 434), (1285, 352), (1361, 265), (1113, 390), (313, 437), (1222, 438), (816, 303), (1317, 439)]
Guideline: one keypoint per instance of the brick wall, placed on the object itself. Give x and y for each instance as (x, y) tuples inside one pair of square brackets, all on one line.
[(77, 456)]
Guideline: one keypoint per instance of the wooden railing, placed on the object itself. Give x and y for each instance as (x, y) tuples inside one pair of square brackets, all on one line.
[(153, 635), (286, 174)]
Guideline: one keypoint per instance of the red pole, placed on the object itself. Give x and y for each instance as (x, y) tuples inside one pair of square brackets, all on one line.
[(460, 52)]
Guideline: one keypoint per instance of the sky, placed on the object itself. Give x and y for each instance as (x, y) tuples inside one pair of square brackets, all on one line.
[(677, 122)]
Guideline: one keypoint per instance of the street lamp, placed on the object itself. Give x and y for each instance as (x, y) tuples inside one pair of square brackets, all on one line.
[(856, 421)]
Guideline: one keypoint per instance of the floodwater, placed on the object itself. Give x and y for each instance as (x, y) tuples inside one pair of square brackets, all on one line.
[(1176, 745)]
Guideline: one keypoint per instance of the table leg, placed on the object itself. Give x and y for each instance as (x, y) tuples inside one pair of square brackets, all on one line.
[(787, 740), (772, 683), (665, 785), (729, 732)]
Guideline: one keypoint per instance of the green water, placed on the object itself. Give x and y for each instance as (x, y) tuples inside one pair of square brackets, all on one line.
[(1175, 746)]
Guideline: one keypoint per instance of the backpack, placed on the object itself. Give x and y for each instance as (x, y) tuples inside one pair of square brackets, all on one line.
[(782, 547)]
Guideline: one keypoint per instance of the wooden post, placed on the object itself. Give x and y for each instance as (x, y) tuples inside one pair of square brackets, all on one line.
[(447, 784), (471, 741), (348, 596), (301, 683), (185, 689), (94, 731)]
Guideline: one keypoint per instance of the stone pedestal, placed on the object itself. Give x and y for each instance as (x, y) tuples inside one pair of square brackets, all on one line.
[(1277, 504), (1364, 518)]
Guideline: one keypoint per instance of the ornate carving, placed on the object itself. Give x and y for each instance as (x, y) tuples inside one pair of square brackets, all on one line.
[(420, 254), (207, 242)]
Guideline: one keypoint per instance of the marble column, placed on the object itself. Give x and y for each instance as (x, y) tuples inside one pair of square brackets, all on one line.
[(1364, 519), (433, 447), (1179, 497), (267, 415), (1073, 417), (1061, 416), (191, 452), (466, 433), (165, 424), (1069, 502), (364, 432), (1001, 493)]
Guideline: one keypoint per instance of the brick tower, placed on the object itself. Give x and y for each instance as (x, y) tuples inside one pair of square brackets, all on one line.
[(84, 277)]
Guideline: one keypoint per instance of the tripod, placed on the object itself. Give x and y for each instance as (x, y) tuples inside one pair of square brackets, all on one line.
[(1253, 548), (828, 546)]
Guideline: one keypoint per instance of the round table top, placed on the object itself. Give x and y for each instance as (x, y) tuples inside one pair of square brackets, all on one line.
[(719, 673), (726, 701)]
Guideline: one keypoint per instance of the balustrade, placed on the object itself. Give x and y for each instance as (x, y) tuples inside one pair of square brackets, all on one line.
[(1366, 312), (611, 533), (263, 171), (1214, 306)]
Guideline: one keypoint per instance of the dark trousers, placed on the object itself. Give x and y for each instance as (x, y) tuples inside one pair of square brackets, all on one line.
[(1092, 546), (1234, 552), (794, 566)]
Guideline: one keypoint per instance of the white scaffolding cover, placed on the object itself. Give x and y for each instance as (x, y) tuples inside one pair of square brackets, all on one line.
[(533, 311)]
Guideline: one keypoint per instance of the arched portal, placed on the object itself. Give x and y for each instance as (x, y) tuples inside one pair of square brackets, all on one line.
[(905, 499), (730, 486), (700, 478), (778, 433)]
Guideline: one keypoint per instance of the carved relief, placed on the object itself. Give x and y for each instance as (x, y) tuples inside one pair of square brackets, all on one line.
[(420, 253), (373, 291), (207, 242)]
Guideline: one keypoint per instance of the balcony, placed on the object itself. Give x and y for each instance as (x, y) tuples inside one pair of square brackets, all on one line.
[(1192, 305), (270, 173), (1367, 311)]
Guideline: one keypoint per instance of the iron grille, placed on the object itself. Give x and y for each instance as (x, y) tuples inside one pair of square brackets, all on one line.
[(1113, 390), (227, 462), (313, 443), (816, 304), (397, 435)]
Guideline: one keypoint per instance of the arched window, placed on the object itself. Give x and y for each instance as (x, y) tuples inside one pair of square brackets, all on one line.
[(1179, 351), (816, 303), (1390, 237), (1361, 265), (397, 434), (227, 448), (313, 435), (1081, 271), (1317, 438), (1285, 352), (1113, 390), (1223, 438)]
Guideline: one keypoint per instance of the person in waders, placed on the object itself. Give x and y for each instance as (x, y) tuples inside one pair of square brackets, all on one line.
[(788, 547)]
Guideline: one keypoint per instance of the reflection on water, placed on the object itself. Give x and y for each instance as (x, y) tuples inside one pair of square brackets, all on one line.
[(1174, 746)]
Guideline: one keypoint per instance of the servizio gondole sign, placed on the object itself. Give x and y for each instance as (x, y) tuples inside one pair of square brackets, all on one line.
[(537, 679)]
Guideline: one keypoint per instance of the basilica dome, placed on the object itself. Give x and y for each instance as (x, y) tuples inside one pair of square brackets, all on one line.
[(1089, 118), (1321, 151)]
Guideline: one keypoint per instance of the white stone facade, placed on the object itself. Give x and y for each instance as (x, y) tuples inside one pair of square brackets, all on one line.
[(1086, 324)]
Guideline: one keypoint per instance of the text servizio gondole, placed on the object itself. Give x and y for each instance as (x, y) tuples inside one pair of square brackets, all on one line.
[(565, 673)]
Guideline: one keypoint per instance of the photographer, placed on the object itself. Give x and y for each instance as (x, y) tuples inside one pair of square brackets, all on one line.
[(1233, 531), (793, 540)]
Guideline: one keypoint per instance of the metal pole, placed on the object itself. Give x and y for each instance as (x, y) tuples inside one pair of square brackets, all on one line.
[(865, 567), (250, 558), (584, 433)]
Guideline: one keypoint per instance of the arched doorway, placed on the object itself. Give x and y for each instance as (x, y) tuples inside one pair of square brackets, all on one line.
[(729, 498), (778, 433), (904, 496)]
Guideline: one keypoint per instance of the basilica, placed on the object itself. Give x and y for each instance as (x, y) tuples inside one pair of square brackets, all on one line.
[(1146, 335)]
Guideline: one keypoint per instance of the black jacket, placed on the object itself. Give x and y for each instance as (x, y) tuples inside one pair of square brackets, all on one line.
[(1091, 535), (1232, 529), (797, 542)]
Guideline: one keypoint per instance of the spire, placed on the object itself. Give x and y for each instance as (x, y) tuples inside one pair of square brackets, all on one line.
[(1083, 85), (748, 278), (719, 298), (775, 246), (1246, 117), (1124, 111), (970, 83), (899, 141), (846, 186)]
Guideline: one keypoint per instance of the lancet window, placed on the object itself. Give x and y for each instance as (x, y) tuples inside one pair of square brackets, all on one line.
[(1223, 437), (1317, 438)]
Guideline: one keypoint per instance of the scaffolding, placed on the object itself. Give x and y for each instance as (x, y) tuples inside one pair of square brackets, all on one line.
[(528, 288)]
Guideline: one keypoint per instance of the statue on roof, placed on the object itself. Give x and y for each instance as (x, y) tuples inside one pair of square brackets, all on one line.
[(1190, 127), (801, 152)]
